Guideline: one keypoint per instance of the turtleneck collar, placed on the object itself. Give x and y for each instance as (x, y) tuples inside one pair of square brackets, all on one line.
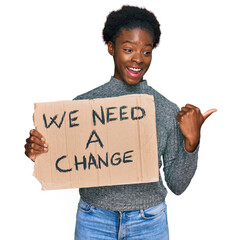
[(118, 83)]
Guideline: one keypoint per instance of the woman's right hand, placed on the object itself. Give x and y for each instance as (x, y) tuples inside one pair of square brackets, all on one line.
[(35, 145)]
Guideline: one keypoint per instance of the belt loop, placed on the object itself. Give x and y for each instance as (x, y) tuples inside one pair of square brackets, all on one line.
[(120, 227)]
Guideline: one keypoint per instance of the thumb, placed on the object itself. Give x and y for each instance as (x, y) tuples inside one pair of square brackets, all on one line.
[(208, 113)]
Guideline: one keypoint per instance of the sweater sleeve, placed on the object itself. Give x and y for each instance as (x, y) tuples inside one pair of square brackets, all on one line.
[(179, 165)]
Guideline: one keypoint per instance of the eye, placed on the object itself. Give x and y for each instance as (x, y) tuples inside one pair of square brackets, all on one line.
[(128, 50), (147, 52)]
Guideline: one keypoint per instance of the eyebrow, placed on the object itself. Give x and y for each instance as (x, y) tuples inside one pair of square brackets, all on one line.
[(149, 44)]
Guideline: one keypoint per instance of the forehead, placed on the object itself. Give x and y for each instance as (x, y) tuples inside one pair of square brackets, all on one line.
[(136, 35)]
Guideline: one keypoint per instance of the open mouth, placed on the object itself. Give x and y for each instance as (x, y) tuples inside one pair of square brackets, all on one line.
[(134, 71)]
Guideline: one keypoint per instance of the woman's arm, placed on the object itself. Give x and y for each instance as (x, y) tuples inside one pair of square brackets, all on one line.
[(181, 152)]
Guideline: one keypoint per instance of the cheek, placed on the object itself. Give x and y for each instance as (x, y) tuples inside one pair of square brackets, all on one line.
[(123, 58), (120, 61), (148, 62)]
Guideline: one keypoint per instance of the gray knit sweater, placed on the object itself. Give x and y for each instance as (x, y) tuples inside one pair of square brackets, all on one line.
[(179, 165)]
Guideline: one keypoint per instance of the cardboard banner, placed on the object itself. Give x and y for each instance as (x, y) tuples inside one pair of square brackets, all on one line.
[(100, 142)]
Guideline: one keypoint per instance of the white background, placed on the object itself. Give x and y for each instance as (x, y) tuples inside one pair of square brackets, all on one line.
[(53, 50)]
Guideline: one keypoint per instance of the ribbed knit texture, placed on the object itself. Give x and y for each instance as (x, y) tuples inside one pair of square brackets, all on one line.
[(179, 165)]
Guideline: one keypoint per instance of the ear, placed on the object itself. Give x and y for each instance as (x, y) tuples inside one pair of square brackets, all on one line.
[(111, 48)]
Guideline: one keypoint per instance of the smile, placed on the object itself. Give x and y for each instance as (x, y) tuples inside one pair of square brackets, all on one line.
[(134, 71)]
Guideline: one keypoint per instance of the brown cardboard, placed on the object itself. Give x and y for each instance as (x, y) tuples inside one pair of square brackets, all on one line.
[(128, 133)]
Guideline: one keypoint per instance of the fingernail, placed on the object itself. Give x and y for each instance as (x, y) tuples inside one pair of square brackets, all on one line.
[(45, 149), (45, 145), (43, 139)]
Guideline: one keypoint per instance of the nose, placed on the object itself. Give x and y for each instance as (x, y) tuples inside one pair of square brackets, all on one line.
[(137, 57)]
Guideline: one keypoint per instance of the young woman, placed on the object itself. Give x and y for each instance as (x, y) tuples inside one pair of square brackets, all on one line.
[(136, 211)]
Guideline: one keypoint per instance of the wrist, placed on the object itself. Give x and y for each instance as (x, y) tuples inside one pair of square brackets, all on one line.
[(191, 145)]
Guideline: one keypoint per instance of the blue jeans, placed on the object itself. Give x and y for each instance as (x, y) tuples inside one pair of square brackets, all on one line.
[(96, 223)]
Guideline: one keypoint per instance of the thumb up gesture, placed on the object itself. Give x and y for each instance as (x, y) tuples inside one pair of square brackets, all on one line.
[(190, 120)]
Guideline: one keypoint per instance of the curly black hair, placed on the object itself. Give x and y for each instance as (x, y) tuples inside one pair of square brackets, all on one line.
[(130, 17)]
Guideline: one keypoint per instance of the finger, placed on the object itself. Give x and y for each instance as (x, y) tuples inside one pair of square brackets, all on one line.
[(191, 106), (32, 157), (35, 147), (32, 154), (31, 151), (179, 116), (37, 134), (39, 148), (33, 139), (208, 113), (185, 109)]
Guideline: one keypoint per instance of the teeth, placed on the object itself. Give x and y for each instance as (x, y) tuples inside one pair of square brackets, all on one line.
[(135, 69)]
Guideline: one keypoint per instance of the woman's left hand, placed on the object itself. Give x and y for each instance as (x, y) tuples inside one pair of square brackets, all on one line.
[(190, 120)]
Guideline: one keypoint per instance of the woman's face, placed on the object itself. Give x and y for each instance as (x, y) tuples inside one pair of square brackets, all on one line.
[(132, 53)]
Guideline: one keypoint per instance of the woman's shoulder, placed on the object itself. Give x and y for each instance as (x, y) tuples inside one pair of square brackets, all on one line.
[(164, 104), (97, 92)]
